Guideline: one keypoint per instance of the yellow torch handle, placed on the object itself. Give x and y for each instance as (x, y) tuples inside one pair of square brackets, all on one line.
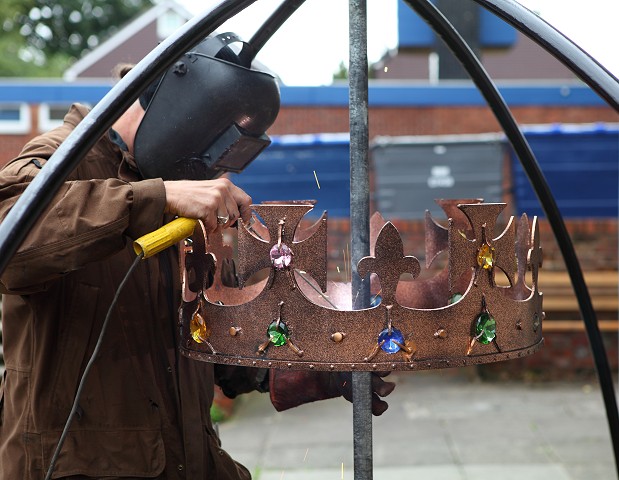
[(154, 242)]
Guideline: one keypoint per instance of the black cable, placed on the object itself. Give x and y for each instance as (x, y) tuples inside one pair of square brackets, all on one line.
[(89, 365)]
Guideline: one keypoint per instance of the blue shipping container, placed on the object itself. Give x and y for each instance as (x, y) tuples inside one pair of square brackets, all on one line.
[(302, 167), (581, 165)]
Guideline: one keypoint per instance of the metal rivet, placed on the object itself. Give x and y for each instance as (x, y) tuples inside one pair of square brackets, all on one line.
[(337, 337), (441, 333)]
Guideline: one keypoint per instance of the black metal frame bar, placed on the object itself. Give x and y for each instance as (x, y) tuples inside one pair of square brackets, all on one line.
[(37, 196), (360, 223), (602, 82), (44, 186)]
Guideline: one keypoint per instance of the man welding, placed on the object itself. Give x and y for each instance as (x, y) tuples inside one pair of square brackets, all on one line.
[(144, 411)]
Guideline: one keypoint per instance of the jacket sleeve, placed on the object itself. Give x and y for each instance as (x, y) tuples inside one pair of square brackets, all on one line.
[(86, 221)]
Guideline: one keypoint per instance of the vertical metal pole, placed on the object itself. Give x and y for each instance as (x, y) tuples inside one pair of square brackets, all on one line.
[(360, 223)]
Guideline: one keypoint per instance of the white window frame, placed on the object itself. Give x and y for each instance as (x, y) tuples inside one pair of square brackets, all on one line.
[(45, 123), (21, 126)]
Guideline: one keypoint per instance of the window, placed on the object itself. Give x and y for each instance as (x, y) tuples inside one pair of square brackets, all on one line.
[(14, 118), (51, 115)]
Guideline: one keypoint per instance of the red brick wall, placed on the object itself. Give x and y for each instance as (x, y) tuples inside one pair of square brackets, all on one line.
[(391, 121), (429, 120)]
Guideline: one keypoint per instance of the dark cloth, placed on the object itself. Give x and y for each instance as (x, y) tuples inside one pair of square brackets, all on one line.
[(145, 409)]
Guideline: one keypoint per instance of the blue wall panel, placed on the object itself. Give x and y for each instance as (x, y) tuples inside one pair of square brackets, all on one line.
[(581, 165), (285, 171)]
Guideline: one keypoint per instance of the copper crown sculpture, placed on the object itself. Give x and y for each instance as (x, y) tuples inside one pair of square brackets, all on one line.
[(460, 316)]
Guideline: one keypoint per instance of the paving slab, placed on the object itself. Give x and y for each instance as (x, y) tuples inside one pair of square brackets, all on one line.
[(440, 426)]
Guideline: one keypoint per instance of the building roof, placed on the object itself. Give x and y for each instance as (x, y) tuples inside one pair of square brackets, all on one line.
[(132, 42)]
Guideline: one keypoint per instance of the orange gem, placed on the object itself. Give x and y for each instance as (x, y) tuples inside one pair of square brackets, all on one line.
[(199, 331), (485, 256)]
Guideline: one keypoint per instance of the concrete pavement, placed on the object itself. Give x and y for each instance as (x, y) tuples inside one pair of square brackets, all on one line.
[(441, 425)]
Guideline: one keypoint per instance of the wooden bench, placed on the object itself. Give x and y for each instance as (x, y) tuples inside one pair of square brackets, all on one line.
[(561, 305)]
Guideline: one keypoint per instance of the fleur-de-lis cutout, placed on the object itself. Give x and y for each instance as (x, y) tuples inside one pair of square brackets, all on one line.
[(389, 262)]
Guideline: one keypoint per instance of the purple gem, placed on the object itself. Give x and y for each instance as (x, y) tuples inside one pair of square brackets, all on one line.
[(281, 256)]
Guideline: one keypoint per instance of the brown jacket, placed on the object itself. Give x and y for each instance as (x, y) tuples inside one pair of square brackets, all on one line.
[(144, 411)]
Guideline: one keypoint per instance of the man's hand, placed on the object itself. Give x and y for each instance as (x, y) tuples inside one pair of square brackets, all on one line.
[(293, 388), (206, 200)]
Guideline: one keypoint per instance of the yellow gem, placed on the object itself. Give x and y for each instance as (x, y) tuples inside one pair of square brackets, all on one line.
[(199, 331), (485, 256)]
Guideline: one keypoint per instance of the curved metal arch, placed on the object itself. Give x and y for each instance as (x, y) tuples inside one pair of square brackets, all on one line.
[(602, 82), (594, 74), (38, 195)]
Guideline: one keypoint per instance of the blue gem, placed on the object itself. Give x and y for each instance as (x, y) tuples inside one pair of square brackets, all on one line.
[(388, 340)]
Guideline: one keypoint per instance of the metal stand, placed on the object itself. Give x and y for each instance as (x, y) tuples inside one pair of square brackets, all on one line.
[(360, 223)]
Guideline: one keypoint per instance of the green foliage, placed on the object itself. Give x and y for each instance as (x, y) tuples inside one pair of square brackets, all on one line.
[(342, 72), (43, 37)]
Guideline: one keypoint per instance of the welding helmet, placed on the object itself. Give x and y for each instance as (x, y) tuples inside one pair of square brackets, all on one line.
[(207, 115)]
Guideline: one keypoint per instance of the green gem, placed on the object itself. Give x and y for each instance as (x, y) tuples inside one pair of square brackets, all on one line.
[(485, 328), (278, 333), (454, 298)]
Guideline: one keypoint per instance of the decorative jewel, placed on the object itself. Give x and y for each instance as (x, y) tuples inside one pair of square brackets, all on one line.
[(485, 328), (391, 340), (281, 254), (199, 330), (234, 331), (485, 254), (278, 333), (454, 298), (536, 323)]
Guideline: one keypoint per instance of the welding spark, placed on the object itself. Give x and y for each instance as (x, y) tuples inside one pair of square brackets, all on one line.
[(316, 177)]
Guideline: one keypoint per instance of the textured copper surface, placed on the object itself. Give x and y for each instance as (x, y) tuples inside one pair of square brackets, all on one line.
[(324, 333)]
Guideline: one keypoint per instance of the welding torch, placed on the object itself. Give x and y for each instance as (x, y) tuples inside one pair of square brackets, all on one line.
[(154, 242)]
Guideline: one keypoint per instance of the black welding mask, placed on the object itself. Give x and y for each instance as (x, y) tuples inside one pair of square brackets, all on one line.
[(207, 115)]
